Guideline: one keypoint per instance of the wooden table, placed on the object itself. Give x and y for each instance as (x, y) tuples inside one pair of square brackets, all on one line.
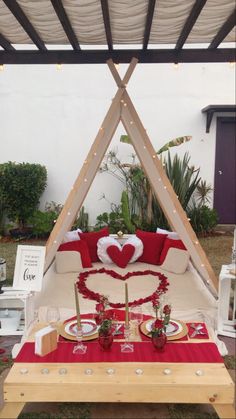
[(208, 383)]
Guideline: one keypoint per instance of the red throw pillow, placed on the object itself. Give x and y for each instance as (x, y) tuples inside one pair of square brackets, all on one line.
[(91, 239), (177, 244), (81, 247), (152, 246), (121, 257)]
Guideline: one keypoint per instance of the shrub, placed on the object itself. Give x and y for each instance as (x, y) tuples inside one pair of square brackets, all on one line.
[(42, 223), (21, 185), (202, 218)]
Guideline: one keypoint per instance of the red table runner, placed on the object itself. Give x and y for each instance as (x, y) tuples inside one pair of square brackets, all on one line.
[(143, 352)]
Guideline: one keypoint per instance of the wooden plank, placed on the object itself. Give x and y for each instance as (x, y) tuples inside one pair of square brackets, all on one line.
[(85, 178), (128, 74), (151, 56), (11, 410), (183, 385), (164, 191)]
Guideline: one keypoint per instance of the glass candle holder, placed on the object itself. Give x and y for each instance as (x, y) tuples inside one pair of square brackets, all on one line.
[(80, 348), (127, 346)]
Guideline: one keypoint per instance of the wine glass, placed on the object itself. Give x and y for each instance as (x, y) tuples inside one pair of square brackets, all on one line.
[(136, 315), (53, 316)]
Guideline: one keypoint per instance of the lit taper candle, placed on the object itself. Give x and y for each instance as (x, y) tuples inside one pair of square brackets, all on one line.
[(77, 306), (126, 305)]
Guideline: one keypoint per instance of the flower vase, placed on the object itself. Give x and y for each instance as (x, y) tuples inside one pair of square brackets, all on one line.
[(159, 341), (105, 341)]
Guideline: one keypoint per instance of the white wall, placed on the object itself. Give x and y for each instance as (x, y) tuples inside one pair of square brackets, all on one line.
[(51, 117)]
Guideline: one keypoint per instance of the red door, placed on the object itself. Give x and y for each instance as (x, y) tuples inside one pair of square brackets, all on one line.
[(225, 171)]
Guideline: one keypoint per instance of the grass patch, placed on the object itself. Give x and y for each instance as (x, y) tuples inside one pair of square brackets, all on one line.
[(189, 411), (5, 362), (64, 411), (230, 362), (218, 250)]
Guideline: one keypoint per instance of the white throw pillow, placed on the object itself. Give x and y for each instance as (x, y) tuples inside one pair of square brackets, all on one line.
[(138, 245), (102, 245), (68, 261), (176, 261), (72, 236), (171, 234)]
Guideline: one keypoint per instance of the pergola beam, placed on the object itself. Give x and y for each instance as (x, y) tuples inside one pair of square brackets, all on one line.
[(118, 56), (224, 30), (6, 44), (107, 24), (62, 16), (16, 10), (190, 22), (148, 25)]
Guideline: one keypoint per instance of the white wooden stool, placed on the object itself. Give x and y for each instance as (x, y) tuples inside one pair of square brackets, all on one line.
[(227, 302)]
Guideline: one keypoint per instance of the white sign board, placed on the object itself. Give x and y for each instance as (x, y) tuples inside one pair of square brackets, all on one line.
[(29, 267)]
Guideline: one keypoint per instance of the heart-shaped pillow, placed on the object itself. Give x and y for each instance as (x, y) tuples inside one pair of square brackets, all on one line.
[(121, 257), (102, 246), (106, 242)]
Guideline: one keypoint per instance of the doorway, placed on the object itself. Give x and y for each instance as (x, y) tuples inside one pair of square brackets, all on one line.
[(225, 170)]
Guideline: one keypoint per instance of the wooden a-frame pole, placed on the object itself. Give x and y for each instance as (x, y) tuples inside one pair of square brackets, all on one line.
[(122, 109), (89, 169), (162, 187)]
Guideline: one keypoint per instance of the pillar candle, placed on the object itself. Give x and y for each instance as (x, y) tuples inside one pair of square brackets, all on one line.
[(77, 306), (126, 305)]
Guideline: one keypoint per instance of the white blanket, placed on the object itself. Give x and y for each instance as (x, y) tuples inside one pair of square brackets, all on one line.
[(188, 295)]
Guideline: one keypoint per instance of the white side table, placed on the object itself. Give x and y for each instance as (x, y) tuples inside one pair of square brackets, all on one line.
[(18, 299), (227, 303)]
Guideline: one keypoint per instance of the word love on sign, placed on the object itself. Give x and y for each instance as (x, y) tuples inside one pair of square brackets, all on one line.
[(29, 266)]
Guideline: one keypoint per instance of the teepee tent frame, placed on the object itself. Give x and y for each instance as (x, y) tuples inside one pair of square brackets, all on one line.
[(122, 109)]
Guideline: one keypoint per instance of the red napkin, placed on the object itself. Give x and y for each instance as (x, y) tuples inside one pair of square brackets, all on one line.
[(198, 335)]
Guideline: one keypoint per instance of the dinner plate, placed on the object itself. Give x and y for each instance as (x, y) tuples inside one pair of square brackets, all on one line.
[(89, 327), (172, 329), (176, 330)]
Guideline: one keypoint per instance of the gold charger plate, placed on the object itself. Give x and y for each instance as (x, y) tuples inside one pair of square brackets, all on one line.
[(66, 335), (179, 335)]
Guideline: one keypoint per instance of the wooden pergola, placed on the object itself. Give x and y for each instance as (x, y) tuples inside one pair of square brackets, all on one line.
[(155, 31), (158, 32)]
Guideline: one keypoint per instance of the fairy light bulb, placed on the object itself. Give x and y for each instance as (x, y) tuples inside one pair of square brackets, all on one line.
[(1, 67), (58, 66), (176, 66)]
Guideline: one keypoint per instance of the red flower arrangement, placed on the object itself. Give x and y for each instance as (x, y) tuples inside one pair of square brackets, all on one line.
[(103, 318), (159, 325), (91, 295)]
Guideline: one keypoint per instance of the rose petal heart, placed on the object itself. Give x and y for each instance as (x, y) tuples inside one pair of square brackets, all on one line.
[(121, 257), (162, 285)]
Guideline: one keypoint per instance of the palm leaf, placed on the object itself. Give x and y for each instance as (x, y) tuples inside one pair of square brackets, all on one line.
[(173, 143)]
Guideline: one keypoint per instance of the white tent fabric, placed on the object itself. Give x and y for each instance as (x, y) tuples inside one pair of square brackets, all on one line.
[(127, 21)]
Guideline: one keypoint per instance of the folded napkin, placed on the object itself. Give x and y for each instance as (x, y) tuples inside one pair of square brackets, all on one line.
[(198, 335)]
